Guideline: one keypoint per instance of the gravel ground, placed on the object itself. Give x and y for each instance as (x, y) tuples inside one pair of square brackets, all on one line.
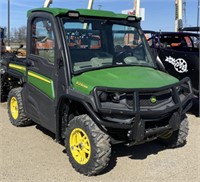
[(30, 154)]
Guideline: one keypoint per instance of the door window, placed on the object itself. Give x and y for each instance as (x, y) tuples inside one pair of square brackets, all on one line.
[(43, 41)]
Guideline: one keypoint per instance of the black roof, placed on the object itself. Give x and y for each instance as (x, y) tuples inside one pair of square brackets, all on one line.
[(192, 29), (172, 33)]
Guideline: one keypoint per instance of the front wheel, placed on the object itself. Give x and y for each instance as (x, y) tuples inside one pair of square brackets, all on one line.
[(177, 138), (88, 147)]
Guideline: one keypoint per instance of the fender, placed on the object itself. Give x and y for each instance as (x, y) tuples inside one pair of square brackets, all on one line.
[(15, 74)]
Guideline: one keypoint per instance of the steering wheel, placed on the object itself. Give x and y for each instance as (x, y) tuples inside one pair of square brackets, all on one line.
[(45, 39), (118, 59)]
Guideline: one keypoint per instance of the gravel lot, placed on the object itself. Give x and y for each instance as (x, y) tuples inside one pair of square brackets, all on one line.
[(30, 154)]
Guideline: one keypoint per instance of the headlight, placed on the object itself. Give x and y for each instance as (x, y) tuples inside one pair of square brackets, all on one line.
[(115, 100), (113, 97), (103, 96), (116, 97)]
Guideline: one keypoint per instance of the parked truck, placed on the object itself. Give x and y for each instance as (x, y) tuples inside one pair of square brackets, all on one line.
[(84, 83)]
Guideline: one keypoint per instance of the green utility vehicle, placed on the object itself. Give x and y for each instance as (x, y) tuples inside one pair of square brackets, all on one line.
[(89, 78)]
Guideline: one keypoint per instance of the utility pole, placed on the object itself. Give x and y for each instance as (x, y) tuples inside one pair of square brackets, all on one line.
[(184, 13), (178, 15), (90, 4), (47, 3), (8, 22), (136, 8)]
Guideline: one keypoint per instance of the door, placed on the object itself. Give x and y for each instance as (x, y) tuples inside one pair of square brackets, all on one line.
[(39, 90)]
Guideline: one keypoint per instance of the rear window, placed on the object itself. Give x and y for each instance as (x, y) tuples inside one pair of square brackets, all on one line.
[(81, 36)]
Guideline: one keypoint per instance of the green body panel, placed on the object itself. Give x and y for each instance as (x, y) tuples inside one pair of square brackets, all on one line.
[(42, 83), (19, 68), (53, 11), (82, 12), (100, 13), (122, 77)]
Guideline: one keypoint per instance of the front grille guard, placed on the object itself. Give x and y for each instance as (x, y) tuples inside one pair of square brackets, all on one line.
[(181, 94)]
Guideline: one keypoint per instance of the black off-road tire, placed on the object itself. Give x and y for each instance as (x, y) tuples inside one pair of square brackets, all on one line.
[(19, 119), (177, 138), (3, 91), (99, 144)]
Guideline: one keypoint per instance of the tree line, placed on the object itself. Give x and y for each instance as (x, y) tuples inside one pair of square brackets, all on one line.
[(16, 34)]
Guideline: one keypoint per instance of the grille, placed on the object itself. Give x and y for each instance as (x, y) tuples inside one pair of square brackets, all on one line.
[(129, 99), (145, 98)]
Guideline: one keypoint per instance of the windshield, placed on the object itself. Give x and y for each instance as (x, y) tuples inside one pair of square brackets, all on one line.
[(96, 44)]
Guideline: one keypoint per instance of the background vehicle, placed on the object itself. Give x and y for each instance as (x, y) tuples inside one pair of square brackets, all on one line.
[(90, 79), (179, 53), (2, 44)]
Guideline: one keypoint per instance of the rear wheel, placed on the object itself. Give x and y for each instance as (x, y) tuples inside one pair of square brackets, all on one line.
[(88, 147), (176, 138), (15, 108)]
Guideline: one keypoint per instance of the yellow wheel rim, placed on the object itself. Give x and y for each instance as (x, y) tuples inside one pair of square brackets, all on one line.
[(14, 108), (166, 135), (80, 146)]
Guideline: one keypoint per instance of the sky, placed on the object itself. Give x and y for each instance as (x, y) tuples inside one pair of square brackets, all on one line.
[(159, 14)]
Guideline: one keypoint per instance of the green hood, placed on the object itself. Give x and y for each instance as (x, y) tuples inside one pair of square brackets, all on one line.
[(122, 77)]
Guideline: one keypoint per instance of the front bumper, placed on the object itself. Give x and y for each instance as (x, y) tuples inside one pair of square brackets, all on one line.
[(143, 119), (176, 97)]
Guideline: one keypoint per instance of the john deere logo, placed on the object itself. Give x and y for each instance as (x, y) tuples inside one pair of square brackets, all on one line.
[(153, 99)]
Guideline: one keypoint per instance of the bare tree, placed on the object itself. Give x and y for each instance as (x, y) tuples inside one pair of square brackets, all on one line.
[(22, 34), (14, 33), (19, 34)]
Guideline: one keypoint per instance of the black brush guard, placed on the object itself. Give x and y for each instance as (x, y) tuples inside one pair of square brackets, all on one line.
[(146, 124)]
